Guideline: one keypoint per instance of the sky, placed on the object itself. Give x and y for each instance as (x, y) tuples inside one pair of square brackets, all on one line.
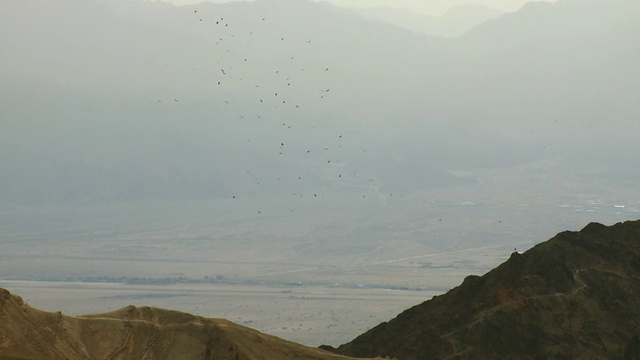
[(431, 7)]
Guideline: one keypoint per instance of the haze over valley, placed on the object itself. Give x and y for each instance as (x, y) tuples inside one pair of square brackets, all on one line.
[(302, 158)]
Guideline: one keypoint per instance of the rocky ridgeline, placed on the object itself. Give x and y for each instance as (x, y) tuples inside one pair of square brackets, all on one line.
[(575, 296)]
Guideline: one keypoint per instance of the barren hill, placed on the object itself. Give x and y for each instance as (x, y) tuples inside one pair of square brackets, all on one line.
[(576, 296), (135, 333)]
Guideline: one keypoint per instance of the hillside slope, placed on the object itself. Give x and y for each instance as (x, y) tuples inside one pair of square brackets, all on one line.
[(135, 333), (574, 296)]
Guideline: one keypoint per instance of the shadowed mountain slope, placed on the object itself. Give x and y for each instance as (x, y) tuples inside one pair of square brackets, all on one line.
[(135, 333), (574, 296)]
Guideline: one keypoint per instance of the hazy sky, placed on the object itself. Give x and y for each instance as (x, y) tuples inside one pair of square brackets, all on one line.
[(313, 146), (431, 7)]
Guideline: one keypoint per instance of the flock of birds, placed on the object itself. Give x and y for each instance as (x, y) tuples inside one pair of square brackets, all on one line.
[(279, 102)]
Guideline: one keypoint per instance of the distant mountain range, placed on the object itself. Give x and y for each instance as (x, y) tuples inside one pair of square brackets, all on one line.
[(454, 22), (573, 296), (85, 84)]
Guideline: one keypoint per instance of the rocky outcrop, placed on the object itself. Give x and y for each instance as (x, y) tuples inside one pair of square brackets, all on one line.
[(574, 296)]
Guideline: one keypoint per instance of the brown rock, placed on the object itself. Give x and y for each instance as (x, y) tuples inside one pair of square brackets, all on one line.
[(134, 333), (574, 296)]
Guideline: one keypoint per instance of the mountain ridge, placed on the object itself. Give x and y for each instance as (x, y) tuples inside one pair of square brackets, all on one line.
[(574, 296), (452, 23), (135, 333)]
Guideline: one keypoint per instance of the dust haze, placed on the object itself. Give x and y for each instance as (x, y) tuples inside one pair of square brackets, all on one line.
[(305, 146)]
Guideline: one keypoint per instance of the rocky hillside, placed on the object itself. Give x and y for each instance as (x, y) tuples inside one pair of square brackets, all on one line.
[(576, 296), (135, 333)]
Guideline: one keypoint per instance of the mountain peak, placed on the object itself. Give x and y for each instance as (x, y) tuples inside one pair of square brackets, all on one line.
[(574, 295)]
